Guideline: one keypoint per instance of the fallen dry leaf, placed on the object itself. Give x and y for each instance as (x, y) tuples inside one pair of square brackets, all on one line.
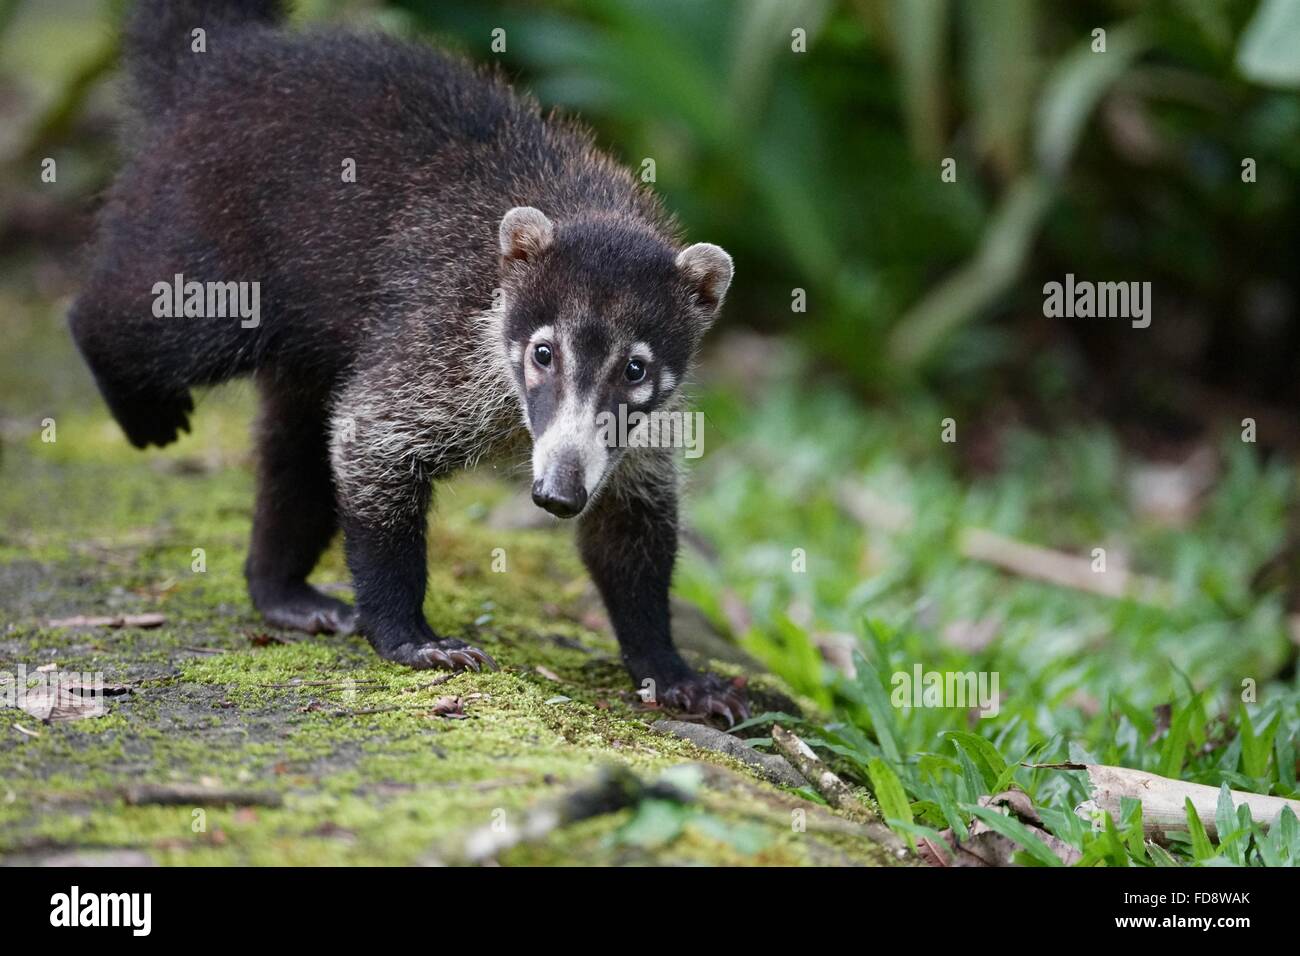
[(263, 639), (450, 707), (1172, 493), (987, 847), (971, 636), (59, 703)]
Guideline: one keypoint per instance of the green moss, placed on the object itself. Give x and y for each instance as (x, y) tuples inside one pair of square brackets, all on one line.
[(366, 771)]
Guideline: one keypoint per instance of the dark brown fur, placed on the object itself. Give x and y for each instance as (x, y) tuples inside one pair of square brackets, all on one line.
[(379, 358)]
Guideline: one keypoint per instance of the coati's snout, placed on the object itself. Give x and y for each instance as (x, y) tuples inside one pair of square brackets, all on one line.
[(561, 489), (603, 319)]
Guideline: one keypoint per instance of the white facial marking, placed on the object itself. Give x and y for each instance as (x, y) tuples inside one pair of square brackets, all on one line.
[(642, 351), (641, 394), (667, 381), (573, 430), (597, 459)]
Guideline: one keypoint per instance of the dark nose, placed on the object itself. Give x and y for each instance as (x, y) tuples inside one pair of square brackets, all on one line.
[(562, 499)]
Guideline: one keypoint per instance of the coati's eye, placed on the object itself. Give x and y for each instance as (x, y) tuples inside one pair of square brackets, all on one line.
[(635, 371), (542, 355)]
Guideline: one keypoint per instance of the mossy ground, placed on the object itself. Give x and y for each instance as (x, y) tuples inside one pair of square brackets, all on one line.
[(367, 771)]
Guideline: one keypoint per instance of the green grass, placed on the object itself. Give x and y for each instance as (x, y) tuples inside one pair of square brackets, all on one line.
[(1081, 676)]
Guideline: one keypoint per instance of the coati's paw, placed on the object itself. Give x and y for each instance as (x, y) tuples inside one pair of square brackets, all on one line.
[(446, 653), (155, 420), (303, 608), (707, 694)]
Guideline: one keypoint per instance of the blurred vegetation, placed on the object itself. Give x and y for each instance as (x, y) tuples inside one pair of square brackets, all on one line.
[(821, 170)]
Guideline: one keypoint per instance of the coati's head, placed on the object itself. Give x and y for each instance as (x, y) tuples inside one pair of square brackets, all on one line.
[(600, 311)]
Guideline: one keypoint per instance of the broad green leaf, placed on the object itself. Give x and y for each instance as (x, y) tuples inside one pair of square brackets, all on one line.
[(1225, 814), (1174, 749), (1269, 51), (951, 813), (1269, 847), (1202, 849), (933, 766), (983, 754), (1288, 830), (1160, 856), (1066, 825), (1255, 748), (1131, 821), (874, 699), (888, 790), (972, 780), (1284, 748), (1072, 91), (1225, 821)]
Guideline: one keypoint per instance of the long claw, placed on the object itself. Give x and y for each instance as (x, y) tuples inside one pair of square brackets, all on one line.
[(719, 707), (464, 659), (709, 696), (439, 658), (482, 657), (446, 654)]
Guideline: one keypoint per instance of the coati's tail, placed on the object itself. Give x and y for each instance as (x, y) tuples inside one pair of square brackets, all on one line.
[(160, 43)]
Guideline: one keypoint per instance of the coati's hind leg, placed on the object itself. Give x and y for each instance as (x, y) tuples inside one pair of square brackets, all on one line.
[(294, 517), (132, 371)]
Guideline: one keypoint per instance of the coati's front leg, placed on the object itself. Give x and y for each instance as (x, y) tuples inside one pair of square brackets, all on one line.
[(628, 541), (384, 508), (295, 515), (389, 574)]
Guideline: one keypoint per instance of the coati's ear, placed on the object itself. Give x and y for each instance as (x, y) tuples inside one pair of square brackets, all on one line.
[(707, 270), (524, 233)]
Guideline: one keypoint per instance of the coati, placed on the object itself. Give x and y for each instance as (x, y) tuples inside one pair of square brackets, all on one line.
[(486, 274)]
